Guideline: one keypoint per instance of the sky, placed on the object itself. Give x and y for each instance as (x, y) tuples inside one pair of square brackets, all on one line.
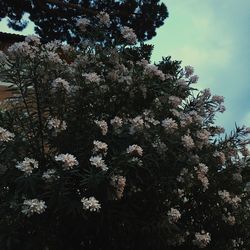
[(214, 37)]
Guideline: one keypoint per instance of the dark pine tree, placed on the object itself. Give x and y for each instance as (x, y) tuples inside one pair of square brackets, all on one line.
[(56, 19)]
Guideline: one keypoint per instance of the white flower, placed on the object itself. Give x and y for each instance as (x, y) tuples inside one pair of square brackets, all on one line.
[(237, 243), (143, 62), (27, 165), (116, 122), (92, 77), (82, 23), (21, 48), (113, 75), (185, 120), (174, 215), (189, 70), (33, 206), (104, 18), (135, 150), (52, 57), (61, 83), (137, 161), (218, 130), (182, 83), (101, 147), (137, 124), (175, 112), (152, 70), (57, 124), (202, 239), (53, 45), (202, 168), (195, 117), (206, 93), (3, 57), (231, 199), (201, 172), (187, 142), (169, 125), (103, 126), (194, 79), (203, 135), (119, 182), (66, 48), (245, 151), (128, 34), (220, 156), (224, 195), (229, 219), (69, 161), (5, 135), (33, 39), (175, 101), (247, 129), (160, 146), (247, 187), (222, 108), (50, 175), (91, 204), (152, 121), (218, 99), (98, 162), (235, 200)]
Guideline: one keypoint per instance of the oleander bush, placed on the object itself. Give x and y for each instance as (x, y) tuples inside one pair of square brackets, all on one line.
[(101, 149)]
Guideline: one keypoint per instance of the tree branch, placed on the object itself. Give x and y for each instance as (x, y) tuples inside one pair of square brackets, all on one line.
[(42, 4)]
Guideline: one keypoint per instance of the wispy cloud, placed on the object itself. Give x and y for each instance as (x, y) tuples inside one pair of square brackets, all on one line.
[(214, 37), (246, 119)]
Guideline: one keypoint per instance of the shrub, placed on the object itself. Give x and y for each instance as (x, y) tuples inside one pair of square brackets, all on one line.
[(102, 150)]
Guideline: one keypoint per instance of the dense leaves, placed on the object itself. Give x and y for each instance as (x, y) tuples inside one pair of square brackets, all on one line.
[(56, 19), (100, 149)]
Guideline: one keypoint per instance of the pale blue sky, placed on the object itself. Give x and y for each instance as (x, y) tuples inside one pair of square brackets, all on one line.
[(214, 37)]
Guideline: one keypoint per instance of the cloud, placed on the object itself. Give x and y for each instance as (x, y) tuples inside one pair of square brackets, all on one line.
[(246, 120), (194, 34), (204, 34), (212, 56)]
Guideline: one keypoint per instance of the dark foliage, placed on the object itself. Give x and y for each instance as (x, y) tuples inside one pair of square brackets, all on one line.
[(56, 19)]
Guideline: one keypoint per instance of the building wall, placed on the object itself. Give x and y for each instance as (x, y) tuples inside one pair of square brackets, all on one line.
[(6, 40), (4, 93)]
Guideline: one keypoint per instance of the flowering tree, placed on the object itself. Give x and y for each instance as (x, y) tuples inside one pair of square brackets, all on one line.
[(102, 150)]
